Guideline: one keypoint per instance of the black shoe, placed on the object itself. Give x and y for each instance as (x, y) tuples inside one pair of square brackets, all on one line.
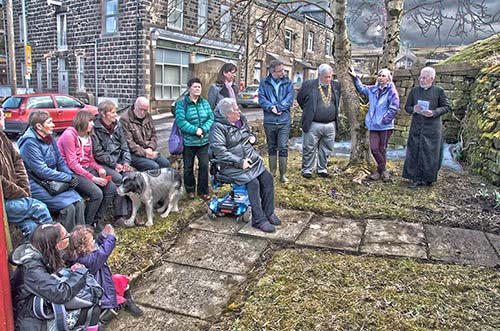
[(413, 184), (324, 174), (307, 175), (108, 315), (274, 220), (130, 305)]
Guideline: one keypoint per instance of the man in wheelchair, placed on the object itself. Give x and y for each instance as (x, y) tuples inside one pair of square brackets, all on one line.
[(230, 145)]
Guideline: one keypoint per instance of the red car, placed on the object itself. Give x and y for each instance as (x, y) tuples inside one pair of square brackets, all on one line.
[(62, 109)]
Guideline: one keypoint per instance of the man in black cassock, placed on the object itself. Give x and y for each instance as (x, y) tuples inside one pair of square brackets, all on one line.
[(424, 151)]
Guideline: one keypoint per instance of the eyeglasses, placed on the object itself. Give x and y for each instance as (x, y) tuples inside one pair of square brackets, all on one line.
[(65, 237)]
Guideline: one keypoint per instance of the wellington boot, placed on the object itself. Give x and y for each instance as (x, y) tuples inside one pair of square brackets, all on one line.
[(273, 164), (130, 305), (283, 164)]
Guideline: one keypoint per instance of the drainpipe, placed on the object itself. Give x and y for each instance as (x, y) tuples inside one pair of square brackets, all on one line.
[(137, 48), (96, 99), (11, 47)]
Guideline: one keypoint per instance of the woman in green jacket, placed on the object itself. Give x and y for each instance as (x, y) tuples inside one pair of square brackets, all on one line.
[(194, 118)]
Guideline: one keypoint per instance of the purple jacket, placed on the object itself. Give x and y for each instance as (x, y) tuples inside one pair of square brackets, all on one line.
[(97, 264)]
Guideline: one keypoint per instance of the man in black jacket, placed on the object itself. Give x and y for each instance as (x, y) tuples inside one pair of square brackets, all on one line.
[(319, 99)]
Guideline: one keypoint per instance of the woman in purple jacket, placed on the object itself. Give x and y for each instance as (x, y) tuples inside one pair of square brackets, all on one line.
[(94, 255), (384, 104)]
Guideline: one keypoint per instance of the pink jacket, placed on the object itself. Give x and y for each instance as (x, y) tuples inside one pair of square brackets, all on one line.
[(77, 156)]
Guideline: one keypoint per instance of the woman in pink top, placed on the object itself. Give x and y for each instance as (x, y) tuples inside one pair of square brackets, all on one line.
[(75, 146)]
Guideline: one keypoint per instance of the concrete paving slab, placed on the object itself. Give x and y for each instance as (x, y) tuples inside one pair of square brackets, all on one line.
[(156, 319), (394, 238), (494, 241), (293, 223), (227, 225), (344, 234), (216, 251), (187, 290), (460, 246)]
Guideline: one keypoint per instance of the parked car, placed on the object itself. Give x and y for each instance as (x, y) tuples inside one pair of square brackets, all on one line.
[(62, 109), (249, 96)]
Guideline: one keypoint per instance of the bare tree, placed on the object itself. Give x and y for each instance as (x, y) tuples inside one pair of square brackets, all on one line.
[(393, 14)]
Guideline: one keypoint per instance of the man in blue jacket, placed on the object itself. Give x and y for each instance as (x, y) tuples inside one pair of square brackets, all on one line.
[(276, 98)]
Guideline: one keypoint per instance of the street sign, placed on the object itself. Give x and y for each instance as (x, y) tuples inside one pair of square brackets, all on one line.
[(28, 59)]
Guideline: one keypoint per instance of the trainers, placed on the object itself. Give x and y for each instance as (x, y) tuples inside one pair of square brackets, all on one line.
[(206, 197), (324, 174), (274, 220), (124, 222), (264, 226), (385, 176), (375, 176), (413, 184), (307, 175), (191, 195)]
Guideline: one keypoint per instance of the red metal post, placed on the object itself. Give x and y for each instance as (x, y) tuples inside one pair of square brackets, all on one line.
[(6, 314)]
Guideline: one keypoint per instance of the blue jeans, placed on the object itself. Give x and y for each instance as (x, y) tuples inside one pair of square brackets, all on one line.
[(277, 139), (27, 214), (99, 198), (143, 163), (201, 152), (261, 196)]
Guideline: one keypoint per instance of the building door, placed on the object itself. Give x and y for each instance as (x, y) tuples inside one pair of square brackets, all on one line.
[(62, 77)]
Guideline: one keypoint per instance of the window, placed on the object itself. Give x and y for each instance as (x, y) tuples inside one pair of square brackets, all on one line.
[(171, 73), (288, 40), (40, 102), (225, 22), (310, 41), (202, 16), (111, 16), (67, 102), (62, 33), (257, 70), (80, 64), (49, 74), (259, 32), (175, 9), (328, 47)]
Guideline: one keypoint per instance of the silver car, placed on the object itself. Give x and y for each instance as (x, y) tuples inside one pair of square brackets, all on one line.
[(249, 97)]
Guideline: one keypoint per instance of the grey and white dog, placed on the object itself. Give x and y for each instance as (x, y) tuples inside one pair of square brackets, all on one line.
[(151, 188)]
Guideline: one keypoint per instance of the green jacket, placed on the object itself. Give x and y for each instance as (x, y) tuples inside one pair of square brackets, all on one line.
[(190, 116)]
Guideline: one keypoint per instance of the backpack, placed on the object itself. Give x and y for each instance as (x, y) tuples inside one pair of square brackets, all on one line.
[(176, 140), (86, 299)]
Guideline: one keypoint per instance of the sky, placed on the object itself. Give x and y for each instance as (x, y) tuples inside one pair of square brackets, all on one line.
[(412, 35)]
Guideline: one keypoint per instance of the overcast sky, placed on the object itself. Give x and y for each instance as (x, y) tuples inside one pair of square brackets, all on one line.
[(411, 33)]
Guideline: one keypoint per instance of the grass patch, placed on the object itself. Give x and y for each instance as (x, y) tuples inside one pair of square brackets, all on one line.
[(314, 290)]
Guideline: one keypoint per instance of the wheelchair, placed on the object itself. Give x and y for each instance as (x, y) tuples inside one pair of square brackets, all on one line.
[(234, 203)]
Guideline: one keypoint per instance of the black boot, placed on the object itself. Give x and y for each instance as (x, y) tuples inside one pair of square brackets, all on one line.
[(107, 315), (130, 305)]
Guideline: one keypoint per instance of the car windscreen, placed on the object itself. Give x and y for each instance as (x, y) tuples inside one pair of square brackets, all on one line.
[(251, 89), (67, 102), (12, 102), (44, 101)]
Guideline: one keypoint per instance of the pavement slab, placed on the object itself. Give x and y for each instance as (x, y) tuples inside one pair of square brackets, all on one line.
[(158, 320), (293, 223), (227, 225), (394, 238), (326, 232), (216, 251), (494, 241), (460, 246), (187, 290)]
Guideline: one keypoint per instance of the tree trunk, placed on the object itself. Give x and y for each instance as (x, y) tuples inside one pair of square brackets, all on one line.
[(394, 12), (360, 148)]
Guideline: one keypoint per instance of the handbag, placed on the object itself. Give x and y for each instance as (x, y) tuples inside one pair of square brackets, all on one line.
[(176, 140), (88, 297), (54, 187)]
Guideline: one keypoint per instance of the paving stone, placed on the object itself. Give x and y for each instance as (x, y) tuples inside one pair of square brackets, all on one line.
[(344, 234), (293, 223), (494, 241), (460, 246), (187, 290), (394, 238), (216, 251), (226, 225), (156, 319)]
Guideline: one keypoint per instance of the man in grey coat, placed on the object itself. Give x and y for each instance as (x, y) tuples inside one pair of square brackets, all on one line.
[(230, 145), (319, 99)]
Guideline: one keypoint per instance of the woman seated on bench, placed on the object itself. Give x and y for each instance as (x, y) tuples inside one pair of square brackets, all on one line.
[(230, 145)]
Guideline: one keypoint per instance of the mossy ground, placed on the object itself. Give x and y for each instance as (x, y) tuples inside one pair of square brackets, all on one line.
[(320, 290)]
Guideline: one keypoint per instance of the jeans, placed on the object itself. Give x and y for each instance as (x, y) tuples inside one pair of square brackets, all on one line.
[(98, 197), (143, 163), (27, 214), (277, 139), (261, 196), (121, 204), (378, 146), (72, 215), (189, 153), (319, 140)]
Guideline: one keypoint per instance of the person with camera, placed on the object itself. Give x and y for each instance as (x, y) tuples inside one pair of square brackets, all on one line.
[(45, 167), (230, 145)]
